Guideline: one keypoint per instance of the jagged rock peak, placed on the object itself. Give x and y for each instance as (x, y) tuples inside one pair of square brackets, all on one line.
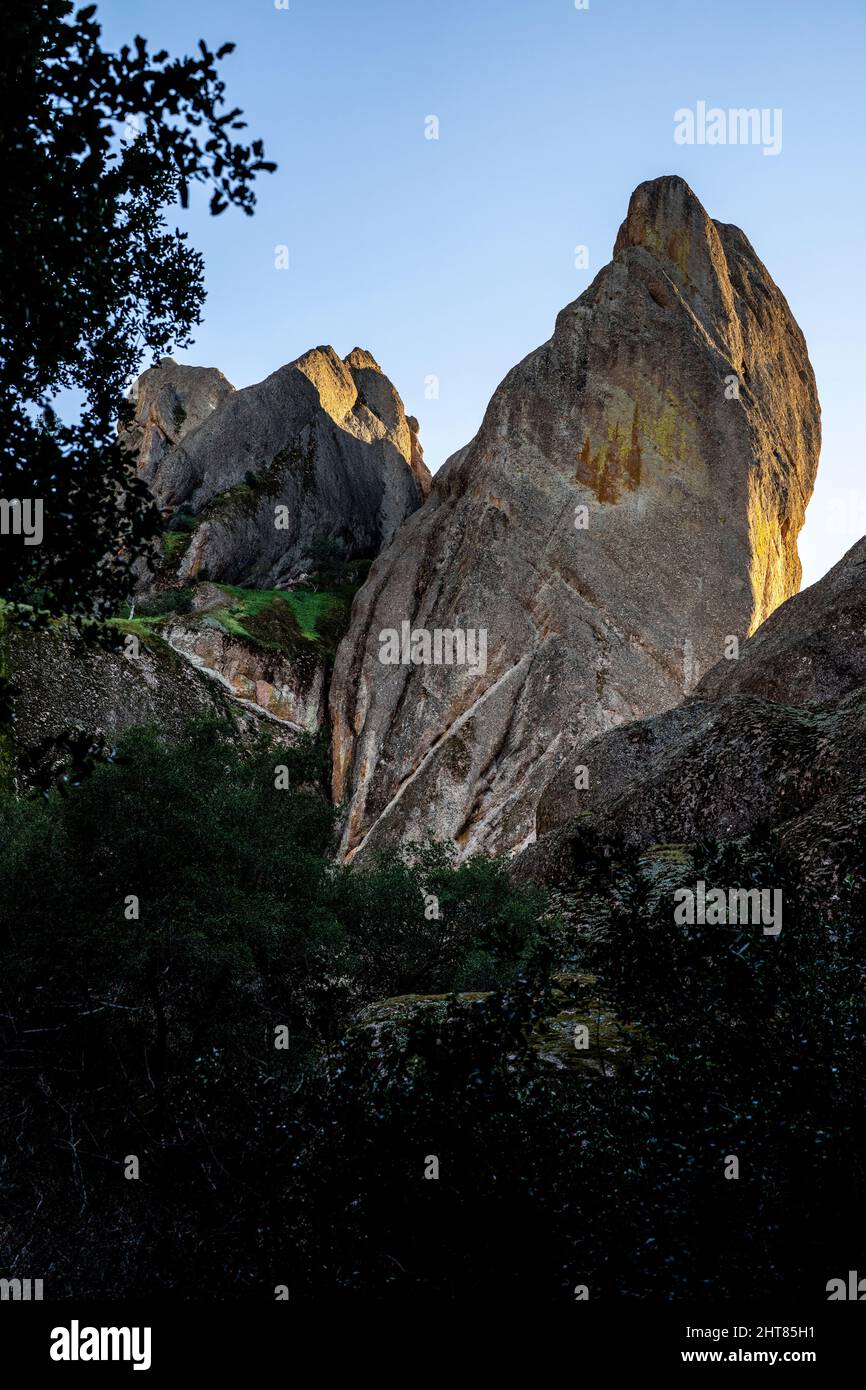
[(632, 498), (321, 449), (170, 400)]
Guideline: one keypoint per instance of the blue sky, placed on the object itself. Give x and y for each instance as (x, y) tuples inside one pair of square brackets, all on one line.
[(451, 257)]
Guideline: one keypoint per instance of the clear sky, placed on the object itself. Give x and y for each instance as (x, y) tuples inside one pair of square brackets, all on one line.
[(451, 257)]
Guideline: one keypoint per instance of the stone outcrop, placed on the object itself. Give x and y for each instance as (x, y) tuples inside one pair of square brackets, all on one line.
[(171, 399), (286, 689), (262, 658), (777, 737), (324, 439), (632, 499), (574, 1001), (321, 449), (65, 684)]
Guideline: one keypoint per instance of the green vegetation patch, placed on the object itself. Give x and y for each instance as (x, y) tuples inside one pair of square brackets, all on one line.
[(303, 623), (244, 497), (146, 629), (174, 543), (284, 620)]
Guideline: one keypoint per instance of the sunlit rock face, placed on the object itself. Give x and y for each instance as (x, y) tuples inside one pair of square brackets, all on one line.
[(322, 449), (631, 500)]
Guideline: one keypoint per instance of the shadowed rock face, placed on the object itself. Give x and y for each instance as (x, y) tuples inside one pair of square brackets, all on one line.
[(778, 736), (322, 448), (171, 399), (65, 684), (675, 403)]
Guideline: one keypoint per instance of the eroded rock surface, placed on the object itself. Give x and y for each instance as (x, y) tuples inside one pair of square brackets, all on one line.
[(776, 737), (632, 498), (321, 449), (171, 399), (65, 684)]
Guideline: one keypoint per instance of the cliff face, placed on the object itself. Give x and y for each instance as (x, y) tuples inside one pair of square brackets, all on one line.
[(65, 685), (250, 482), (170, 401), (632, 499), (777, 736), (322, 449)]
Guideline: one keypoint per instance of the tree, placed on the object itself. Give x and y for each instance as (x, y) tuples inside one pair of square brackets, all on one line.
[(328, 564), (160, 919), (95, 147)]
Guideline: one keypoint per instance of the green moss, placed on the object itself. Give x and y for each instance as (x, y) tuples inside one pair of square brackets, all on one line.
[(633, 461), (145, 629), (666, 429), (671, 430), (289, 621), (174, 543)]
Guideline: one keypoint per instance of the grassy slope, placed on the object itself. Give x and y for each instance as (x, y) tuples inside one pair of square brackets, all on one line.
[(291, 621)]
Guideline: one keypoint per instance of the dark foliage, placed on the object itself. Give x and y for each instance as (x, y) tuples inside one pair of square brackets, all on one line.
[(150, 1031), (94, 147), (260, 1167), (329, 566)]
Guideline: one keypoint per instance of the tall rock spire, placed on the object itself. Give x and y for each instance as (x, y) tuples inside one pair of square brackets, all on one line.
[(631, 500)]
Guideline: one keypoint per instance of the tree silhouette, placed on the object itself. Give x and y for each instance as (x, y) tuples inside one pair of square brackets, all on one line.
[(95, 147)]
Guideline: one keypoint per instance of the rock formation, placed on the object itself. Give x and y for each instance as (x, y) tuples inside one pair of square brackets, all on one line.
[(252, 666), (258, 651), (322, 449), (171, 399), (285, 688), (632, 499), (777, 736), (65, 685), (324, 438)]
